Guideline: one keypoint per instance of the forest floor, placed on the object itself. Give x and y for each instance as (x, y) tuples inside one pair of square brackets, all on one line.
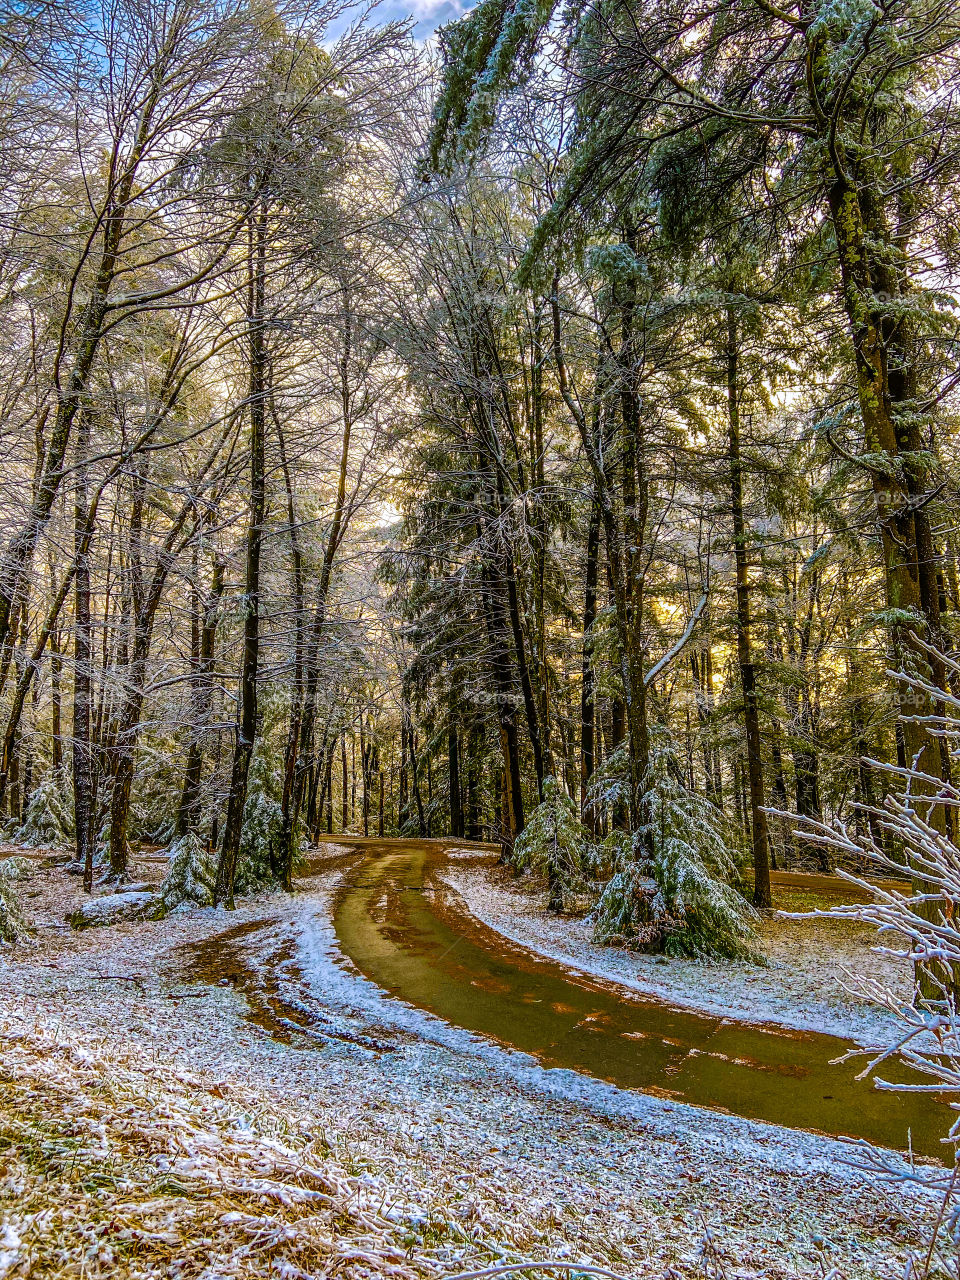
[(156, 1120)]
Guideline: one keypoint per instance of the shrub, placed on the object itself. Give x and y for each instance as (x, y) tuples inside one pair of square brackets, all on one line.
[(919, 923), (48, 821), (12, 925)]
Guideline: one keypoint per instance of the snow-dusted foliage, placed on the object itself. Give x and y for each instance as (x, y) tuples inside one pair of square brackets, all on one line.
[(48, 821), (261, 854), (190, 875), (154, 798), (610, 783), (617, 263), (670, 885), (12, 926), (556, 843), (919, 923), (262, 822)]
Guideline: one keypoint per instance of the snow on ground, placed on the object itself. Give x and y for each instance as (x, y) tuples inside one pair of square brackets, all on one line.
[(175, 1135), (804, 983)]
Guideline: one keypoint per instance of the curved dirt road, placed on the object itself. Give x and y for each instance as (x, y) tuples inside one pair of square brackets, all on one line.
[(408, 934)]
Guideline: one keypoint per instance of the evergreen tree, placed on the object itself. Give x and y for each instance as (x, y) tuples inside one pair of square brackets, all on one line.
[(556, 844)]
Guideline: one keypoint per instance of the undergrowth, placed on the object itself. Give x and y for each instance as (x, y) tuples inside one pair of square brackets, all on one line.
[(116, 1166), (114, 1170)]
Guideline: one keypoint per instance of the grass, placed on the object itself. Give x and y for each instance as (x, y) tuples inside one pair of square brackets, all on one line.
[(109, 1170), (114, 1163), (790, 898)]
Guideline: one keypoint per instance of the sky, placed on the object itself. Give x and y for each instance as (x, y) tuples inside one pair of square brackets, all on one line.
[(427, 15)]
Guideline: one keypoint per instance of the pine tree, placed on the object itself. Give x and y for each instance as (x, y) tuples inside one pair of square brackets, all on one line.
[(48, 821), (556, 844), (190, 874), (669, 889)]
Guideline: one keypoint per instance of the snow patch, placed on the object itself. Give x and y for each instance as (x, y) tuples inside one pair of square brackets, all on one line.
[(132, 904), (10, 1247)]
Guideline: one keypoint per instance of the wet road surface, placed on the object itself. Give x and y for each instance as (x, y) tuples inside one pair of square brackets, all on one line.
[(408, 936)]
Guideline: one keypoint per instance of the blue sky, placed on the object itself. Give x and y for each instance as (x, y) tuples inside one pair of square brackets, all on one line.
[(427, 15)]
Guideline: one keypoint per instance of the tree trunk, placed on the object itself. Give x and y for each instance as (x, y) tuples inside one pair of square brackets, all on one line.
[(453, 777), (367, 766), (897, 508), (84, 807), (415, 774), (474, 747), (623, 517), (748, 679), (124, 762), (344, 785), (328, 785), (203, 637), (247, 724), (295, 768), (496, 626), (587, 708), (540, 762), (56, 688), (338, 527)]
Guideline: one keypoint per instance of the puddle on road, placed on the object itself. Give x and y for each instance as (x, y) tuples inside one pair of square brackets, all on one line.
[(223, 958), (417, 946), (271, 986)]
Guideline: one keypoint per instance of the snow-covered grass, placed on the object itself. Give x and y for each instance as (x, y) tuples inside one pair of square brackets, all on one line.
[(159, 1109), (802, 984), (119, 1166)]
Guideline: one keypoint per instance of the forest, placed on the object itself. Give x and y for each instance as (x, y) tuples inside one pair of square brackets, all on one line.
[(525, 433)]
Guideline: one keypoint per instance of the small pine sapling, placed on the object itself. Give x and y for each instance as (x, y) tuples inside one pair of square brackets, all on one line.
[(190, 876), (48, 822), (12, 925), (556, 843), (257, 864)]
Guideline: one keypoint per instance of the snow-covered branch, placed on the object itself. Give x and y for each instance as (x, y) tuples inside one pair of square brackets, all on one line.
[(662, 663)]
